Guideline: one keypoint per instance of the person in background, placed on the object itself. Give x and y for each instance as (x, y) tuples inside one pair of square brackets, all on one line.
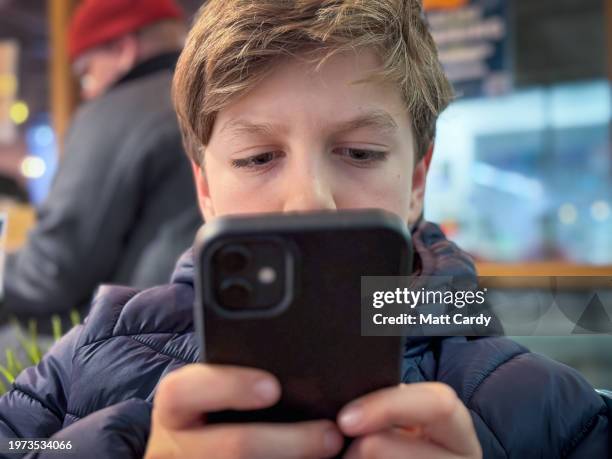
[(122, 207)]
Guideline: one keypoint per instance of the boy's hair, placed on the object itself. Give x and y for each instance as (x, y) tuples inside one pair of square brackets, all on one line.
[(234, 43)]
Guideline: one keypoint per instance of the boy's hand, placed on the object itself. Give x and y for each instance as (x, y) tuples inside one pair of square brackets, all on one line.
[(422, 420), (178, 428)]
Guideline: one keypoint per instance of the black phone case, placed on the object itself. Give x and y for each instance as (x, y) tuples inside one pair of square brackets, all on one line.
[(313, 345)]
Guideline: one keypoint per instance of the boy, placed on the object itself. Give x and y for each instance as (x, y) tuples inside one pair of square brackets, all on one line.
[(291, 106)]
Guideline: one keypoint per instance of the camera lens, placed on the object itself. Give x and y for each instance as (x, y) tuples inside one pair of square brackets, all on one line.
[(235, 294), (233, 259)]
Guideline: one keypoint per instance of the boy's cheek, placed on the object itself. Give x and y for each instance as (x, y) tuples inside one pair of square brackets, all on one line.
[(392, 193), (389, 198), (240, 199)]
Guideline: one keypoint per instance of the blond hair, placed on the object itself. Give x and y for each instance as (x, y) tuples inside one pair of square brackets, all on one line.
[(233, 43)]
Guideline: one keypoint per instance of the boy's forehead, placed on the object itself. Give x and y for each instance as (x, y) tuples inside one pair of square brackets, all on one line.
[(338, 92), (376, 119)]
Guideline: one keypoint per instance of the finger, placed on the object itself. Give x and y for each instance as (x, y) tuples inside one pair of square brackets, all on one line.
[(434, 406), (395, 445), (314, 439), (186, 394)]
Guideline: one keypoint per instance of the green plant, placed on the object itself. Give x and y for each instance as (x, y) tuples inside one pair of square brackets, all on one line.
[(30, 343)]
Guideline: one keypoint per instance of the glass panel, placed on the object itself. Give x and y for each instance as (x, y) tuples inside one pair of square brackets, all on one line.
[(527, 176)]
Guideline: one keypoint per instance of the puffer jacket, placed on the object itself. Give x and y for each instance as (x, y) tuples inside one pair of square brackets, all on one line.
[(96, 386)]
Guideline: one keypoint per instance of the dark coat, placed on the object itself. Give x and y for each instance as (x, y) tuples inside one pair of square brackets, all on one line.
[(95, 387), (122, 207)]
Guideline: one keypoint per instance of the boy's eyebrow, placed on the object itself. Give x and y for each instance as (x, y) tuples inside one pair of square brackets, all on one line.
[(242, 126), (378, 119)]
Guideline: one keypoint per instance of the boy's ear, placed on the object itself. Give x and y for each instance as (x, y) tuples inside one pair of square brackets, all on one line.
[(202, 191), (419, 181)]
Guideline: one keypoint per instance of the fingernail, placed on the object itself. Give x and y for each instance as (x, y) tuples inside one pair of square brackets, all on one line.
[(265, 389), (332, 440), (351, 418)]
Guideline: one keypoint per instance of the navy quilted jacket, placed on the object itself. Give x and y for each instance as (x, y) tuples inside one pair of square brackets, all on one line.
[(96, 385)]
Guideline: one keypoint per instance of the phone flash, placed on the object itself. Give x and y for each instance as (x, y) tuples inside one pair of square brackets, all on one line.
[(266, 275)]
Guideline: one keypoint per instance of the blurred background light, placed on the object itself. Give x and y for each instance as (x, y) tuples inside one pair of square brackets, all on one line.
[(33, 167), (19, 112), (43, 135), (568, 214), (41, 159), (600, 210)]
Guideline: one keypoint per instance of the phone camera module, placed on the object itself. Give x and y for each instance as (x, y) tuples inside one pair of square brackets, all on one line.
[(235, 294), (249, 275), (233, 259)]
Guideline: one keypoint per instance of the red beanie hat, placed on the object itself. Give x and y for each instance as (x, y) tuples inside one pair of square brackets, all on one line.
[(96, 22)]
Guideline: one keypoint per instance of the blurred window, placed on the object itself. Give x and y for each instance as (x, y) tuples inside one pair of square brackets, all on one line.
[(522, 167)]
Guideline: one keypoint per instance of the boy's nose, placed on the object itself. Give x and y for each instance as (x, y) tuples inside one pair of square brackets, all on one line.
[(309, 191)]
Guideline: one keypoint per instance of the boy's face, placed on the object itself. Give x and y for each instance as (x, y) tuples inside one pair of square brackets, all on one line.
[(304, 140)]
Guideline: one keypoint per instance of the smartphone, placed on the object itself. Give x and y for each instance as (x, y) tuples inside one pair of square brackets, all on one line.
[(282, 292)]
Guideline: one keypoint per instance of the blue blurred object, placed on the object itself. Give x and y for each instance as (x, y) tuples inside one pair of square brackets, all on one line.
[(41, 163)]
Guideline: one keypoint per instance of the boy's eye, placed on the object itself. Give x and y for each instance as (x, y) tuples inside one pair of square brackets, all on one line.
[(360, 155), (356, 155), (255, 161)]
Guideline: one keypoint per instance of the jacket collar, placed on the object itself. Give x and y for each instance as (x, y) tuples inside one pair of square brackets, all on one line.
[(435, 255), (166, 61)]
